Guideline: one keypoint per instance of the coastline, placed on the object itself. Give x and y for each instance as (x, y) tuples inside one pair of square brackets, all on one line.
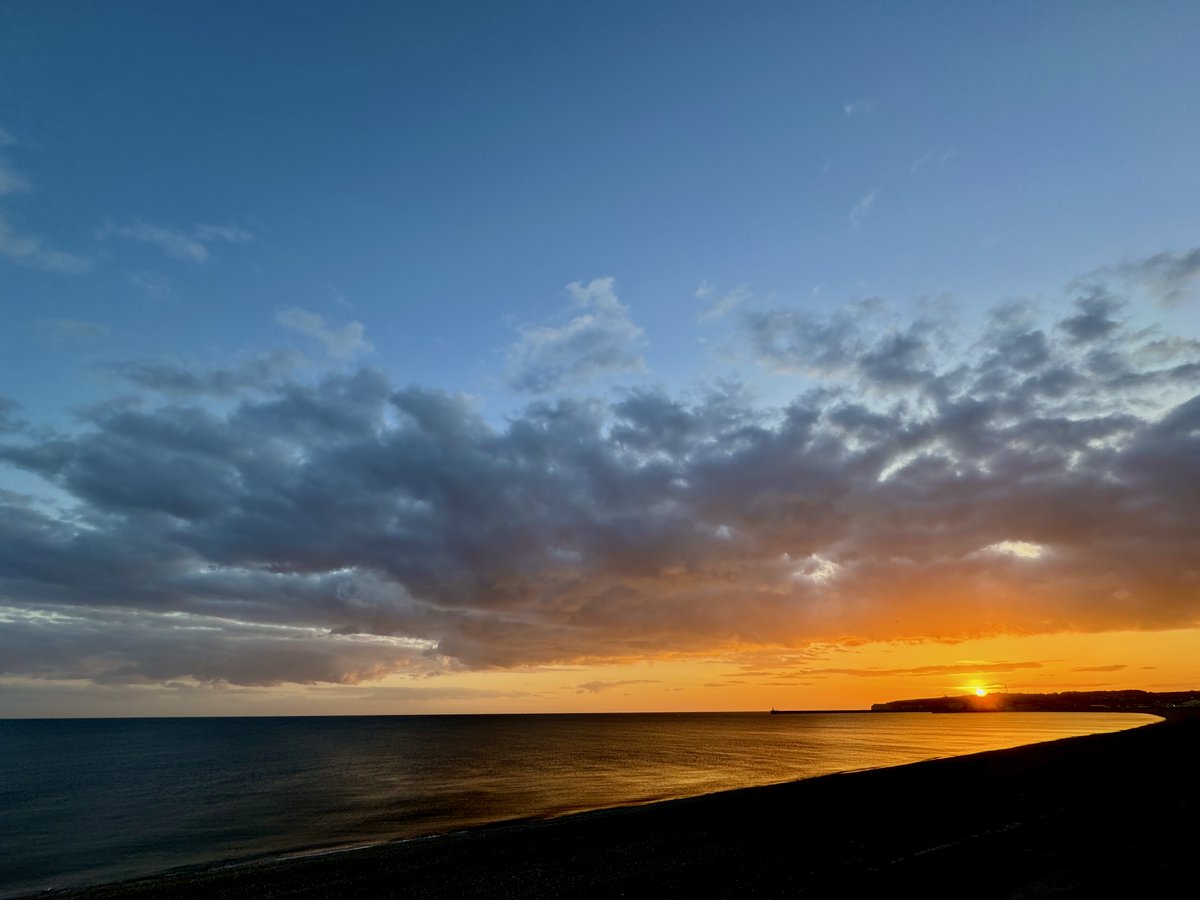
[(1046, 819)]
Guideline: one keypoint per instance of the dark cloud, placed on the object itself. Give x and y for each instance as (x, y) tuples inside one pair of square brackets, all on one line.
[(257, 373), (8, 415), (1093, 319), (861, 340), (120, 646), (1168, 277), (1113, 668), (791, 339), (335, 531)]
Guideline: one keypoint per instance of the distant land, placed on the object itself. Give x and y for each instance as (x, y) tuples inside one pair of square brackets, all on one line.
[(1067, 701)]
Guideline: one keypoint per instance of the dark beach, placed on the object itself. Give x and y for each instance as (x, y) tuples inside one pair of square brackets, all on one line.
[(1088, 816)]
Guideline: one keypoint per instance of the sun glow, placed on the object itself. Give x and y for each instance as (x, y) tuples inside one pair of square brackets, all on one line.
[(1018, 549), (981, 692)]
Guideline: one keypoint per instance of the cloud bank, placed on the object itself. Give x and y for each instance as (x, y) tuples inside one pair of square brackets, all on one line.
[(1037, 474)]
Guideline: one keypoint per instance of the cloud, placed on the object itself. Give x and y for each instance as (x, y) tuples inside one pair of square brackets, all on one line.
[(12, 181), (29, 250), (595, 687), (719, 307), (858, 107), (8, 415), (228, 234), (69, 331), (1170, 278), (124, 647), (176, 243), (785, 339), (153, 284), (937, 160), (342, 528), (601, 340), (340, 343), (1113, 668), (257, 373), (863, 208), (953, 669), (1093, 319)]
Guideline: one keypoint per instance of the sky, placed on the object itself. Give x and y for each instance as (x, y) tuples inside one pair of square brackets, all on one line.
[(544, 357)]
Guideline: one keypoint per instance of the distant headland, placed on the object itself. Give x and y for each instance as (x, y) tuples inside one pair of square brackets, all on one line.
[(1067, 701)]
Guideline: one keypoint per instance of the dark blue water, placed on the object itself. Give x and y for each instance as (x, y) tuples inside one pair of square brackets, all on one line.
[(91, 800)]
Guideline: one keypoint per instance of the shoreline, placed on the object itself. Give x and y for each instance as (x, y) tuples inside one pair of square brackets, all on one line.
[(1045, 813)]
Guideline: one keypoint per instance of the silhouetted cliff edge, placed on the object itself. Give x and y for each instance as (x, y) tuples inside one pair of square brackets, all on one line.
[(1067, 701)]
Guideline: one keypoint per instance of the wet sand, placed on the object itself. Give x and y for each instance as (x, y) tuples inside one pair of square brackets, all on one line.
[(1102, 815)]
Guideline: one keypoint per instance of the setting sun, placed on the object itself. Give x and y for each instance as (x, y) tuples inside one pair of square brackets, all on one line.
[(981, 692)]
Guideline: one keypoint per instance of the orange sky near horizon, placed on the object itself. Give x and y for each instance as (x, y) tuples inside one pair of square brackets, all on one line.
[(833, 676)]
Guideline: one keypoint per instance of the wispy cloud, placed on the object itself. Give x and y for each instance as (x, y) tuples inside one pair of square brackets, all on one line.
[(152, 284), (341, 343), (30, 250), (191, 245), (858, 107), (720, 305), (600, 340), (1170, 278), (23, 248), (12, 181), (935, 160), (69, 331), (863, 208), (921, 671), (229, 234), (595, 687)]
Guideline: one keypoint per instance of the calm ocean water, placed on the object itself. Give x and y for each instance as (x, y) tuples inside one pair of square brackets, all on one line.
[(94, 800)]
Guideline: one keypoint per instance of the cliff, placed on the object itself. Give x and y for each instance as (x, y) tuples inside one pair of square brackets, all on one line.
[(1067, 701)]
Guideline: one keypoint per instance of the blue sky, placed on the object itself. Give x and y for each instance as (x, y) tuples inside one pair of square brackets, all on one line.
[(441, 174), (541, 203)]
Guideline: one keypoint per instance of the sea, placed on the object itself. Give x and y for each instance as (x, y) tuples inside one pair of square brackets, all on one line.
[(86, 801)]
